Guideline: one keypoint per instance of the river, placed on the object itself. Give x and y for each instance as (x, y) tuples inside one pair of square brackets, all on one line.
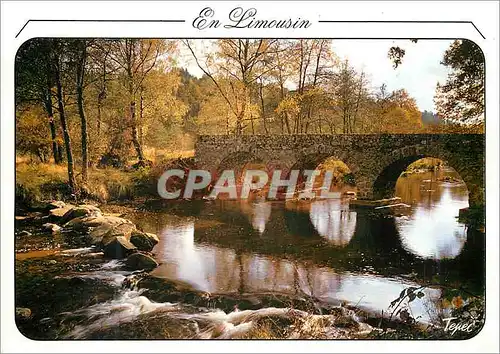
[(320, 250)]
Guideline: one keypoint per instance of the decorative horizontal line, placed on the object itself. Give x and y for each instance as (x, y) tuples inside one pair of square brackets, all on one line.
[(395, 21), (116, 20)]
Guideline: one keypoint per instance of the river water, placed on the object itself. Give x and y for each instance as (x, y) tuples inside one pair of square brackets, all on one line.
[(322, 248), (319, 250)]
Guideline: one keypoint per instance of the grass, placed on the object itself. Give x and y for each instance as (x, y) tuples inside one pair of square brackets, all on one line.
[(36, 182), (157, 155), (43, 181)]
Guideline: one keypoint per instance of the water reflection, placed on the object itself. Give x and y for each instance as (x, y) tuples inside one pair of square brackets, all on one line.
[(258, 213), (223, 270), (333, 220), (432, 229), (318, 248), (206, 268)]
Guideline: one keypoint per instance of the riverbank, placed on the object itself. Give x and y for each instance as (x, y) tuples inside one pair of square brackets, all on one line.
[(38, 182)]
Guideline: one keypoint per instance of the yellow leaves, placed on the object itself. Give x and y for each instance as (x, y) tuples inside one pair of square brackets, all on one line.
[(456, 302), (159, 97), (289, 105), (32, 128), (400, 114)]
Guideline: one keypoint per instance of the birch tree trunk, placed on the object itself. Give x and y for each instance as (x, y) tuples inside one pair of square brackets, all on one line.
[(67, 139), (80, 73)]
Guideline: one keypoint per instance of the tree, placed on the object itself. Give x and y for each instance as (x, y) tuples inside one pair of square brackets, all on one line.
[(160, 106), (396, 54), (57, 58), (346, 92), (189, 92), (429, 118), (282, 71), (32, 134), (241, 62), (80, 48), (461, 98), (399, 113), (349, 97), (34, 83), (137, 58), (315, 63)]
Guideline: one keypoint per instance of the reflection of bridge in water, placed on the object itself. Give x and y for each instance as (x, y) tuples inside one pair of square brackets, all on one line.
[(321, 249), (219, 269), (332, 224)]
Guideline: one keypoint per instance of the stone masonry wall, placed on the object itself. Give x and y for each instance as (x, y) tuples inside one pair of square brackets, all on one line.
[(366, 155)]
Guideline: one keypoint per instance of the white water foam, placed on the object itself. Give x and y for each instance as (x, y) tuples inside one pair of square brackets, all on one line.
[(110, 277), (123, 309), (113, 264), (75, 251)]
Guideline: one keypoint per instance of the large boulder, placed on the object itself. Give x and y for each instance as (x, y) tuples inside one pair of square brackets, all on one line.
[(58, 213), (144, 241), (58, 204), (25, 220), (102, 229), (80, 211), (118, 248), (138, 261), (122, 230), (95, 222), (46, 206)]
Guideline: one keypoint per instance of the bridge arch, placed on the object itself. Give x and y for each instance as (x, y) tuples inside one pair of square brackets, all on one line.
[(312, 161), (383, 182), (241, 160), (374, 159)]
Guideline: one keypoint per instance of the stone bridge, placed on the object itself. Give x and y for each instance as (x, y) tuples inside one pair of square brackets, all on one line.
[(376, 161)]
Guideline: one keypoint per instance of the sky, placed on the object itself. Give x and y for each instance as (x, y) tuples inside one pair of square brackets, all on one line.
[(418, 74)]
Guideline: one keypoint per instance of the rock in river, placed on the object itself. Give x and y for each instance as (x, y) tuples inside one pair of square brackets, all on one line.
[(51, 227), (100, 222), (57, 214), (59, 204), (80, 211), (137, 261), (143, 241), (118, 248), (122, 230)]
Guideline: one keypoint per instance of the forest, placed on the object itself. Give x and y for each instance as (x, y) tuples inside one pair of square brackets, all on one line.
[(97, 103)]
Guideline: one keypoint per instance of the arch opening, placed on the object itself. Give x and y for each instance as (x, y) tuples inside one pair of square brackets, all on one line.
[(434, 169), (239, 163), (335, 176), (385, 184)]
